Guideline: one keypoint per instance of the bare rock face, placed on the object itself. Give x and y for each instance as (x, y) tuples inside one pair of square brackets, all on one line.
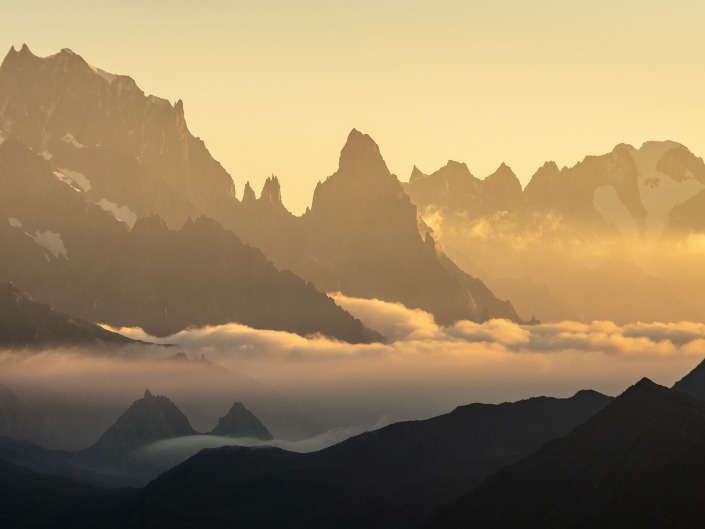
[(241, 422), (363, 231), (361, 236), (83, 261), (133, 156), (453, 190), (134, 150)]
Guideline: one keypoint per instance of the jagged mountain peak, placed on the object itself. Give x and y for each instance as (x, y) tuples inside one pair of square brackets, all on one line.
[(241, 422), (416, 174), (503, 171), (271, 191), (456, 168), (148, 419), (248, 196), (361, 156)]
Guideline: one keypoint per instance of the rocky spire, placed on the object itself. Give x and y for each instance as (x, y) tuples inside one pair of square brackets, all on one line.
[(361, 155), (415, 174), (271, 191), (248, 197)]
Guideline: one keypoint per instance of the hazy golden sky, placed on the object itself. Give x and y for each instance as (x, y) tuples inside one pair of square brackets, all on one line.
[(275, 86)]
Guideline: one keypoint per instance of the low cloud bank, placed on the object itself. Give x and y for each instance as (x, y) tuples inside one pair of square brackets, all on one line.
[(300, 387)]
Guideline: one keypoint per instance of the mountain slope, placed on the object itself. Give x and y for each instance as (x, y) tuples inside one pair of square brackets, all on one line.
[(388, 478), (615, 237), (17, 421), (571, 481), (25, 322), (134, 156), (135, 151), (361, 236), (241, 422), (149, 419), (81, 260)]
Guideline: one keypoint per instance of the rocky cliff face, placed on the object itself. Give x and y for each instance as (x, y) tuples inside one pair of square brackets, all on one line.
[(132, 151), (81, 260), (133, 156), (149, 419), (592, 241), (361, 236)]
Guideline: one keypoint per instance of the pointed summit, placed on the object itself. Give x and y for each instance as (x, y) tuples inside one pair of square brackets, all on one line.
[(415, 174), (271, 191), (147, 420), (248, 196), (504, 185), (361, 156), (241, 422)]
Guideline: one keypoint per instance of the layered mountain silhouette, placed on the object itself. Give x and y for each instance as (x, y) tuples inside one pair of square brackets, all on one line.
[(149, 419), (19, 422), (134, 156), (25, 322), (241, 422), (362, 237), (578, 479), (392, 477), (594, 241), (136, 152), (81, 260)]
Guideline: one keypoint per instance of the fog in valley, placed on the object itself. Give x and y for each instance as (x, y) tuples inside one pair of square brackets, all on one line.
[(315, 391)]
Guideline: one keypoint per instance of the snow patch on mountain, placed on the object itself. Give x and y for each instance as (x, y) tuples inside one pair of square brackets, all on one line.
[(68, 138), (48, 240), (659, 191), (73, 178), (612, 209), (124, 213), (51, 241), (110, 77)]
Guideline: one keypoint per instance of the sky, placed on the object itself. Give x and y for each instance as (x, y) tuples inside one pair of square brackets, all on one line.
[(274, 87)]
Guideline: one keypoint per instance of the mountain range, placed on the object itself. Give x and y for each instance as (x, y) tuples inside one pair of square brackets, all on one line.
[(133, 156), (24, 322), (586, 461), (615, 237)]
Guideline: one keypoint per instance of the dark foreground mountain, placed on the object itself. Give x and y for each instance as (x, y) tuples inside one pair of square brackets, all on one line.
[(584, 478), (392, 477), (387, 478), (32, 500), (241, 422), (117, 458), (81, 260), (24, 322)]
